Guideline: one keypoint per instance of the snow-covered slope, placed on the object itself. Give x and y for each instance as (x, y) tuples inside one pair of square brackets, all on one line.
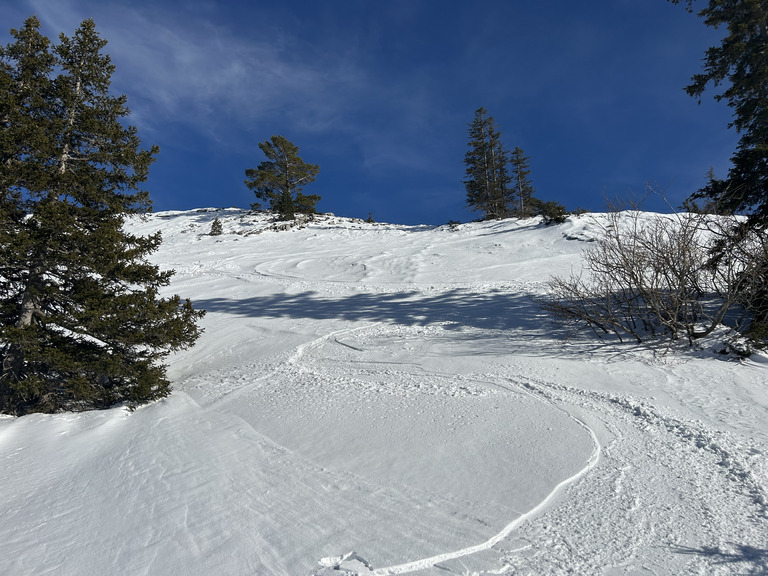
[(373, 398)]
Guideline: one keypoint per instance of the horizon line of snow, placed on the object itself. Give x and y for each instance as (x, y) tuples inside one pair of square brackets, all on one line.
[(509, 528)]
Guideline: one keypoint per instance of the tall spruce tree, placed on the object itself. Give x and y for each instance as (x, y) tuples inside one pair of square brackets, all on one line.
[(82, 324), (740, 63), (521, 184), (280, 178), (488, 179)]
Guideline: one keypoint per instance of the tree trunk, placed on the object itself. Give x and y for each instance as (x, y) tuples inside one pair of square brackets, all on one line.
[(13, 362), (70, 123)]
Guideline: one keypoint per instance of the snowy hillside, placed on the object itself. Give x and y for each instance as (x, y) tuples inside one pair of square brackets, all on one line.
[(383, 399)]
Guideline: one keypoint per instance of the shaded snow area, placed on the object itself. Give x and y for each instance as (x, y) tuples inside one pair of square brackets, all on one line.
[(382, 399)]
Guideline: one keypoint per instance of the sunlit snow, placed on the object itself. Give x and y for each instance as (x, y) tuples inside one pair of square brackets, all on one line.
[(384, 399)]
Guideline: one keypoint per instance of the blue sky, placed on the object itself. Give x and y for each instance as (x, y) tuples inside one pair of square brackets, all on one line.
[(379, 94)]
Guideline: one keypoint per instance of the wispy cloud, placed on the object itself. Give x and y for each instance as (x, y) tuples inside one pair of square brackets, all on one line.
[(183, 68), (178, 66)]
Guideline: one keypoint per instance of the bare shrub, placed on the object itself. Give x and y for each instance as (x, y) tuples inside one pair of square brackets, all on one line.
[(652, 276)]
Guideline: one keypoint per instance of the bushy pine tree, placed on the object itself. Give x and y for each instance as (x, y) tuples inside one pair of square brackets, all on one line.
[(551, 212), (488, 179), (83, 325), (280, 178)]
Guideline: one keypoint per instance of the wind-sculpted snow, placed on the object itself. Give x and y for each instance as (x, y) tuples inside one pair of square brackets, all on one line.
[(383, 399)]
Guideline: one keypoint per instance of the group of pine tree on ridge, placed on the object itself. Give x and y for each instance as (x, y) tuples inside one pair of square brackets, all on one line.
[(497, 184)]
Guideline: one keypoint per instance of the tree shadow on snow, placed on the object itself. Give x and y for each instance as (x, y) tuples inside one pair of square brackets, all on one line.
[(454, 310), (755, 558), (498, 321)]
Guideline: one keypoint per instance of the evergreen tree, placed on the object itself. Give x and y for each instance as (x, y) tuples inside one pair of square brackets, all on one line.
[(488, 180), (552, 212), (279, 179), (740, 63), (216, 228), (521, 184), (82, 325)]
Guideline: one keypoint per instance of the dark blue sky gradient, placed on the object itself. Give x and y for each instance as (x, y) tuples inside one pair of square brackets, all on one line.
[(379, 94)]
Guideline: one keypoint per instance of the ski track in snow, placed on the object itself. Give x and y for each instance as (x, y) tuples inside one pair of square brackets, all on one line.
[(565, 533), (334, 353), (508, 529)]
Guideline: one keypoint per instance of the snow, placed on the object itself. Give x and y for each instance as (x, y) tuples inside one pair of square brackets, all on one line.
[(384, 399)]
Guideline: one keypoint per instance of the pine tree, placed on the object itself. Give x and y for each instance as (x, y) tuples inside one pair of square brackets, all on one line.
[(551, 212), (740, 63), (279, 180), (521, 184), (216, 228), (487, 182), (82, 323)]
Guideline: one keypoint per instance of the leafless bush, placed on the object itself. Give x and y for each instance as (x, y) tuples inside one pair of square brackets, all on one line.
[(652, 275)]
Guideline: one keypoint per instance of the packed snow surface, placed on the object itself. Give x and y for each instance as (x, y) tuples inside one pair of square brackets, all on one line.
[(382, 399)]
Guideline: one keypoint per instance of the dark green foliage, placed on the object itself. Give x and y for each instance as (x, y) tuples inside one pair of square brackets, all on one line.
[(492, 188), (521, 184), (488, 180), (306, 203), (82, 323), (740, 64), (692, 206), (552, 212), (279, 179), (216, 228)]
